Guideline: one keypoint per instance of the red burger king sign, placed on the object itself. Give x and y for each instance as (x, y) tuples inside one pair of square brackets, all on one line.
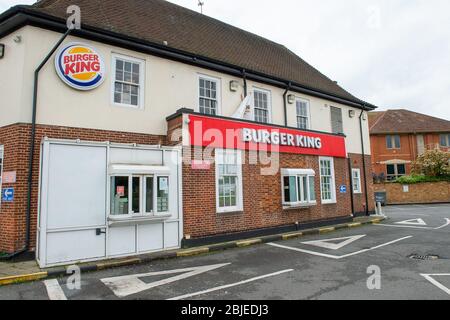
[(80, 66)]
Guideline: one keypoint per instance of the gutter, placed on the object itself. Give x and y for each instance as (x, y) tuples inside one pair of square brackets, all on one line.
[(364, 164), (21, 15)]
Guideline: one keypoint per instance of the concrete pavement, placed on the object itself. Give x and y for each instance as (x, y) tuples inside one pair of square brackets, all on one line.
[(339, 265)]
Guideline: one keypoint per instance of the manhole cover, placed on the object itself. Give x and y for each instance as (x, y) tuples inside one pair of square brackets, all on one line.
[(424, 257)]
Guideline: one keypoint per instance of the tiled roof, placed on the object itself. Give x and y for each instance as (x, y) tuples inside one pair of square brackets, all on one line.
[(159, 21), (405, 121)]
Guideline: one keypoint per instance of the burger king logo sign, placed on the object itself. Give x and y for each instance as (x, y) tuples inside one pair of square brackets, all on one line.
[(80, 66)]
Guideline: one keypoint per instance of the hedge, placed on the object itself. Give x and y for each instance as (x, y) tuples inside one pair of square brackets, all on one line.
[(413, 179)]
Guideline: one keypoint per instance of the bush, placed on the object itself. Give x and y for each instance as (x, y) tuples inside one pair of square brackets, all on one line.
[(413, 179), (434, 163)]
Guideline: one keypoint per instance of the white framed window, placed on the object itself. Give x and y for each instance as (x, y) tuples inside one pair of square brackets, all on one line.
[(208, 95), (298, 187), (444, 140), (128, 81), (262, 106), (228, 180), (327, 180), (395, 171), (135, 195), (393, 142), (356, 180), (302, 108)]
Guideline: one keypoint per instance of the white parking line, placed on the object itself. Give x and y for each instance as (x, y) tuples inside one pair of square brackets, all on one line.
[(54, 290), (198, 293), (123, 286), (413, 227), (436, 283), (338, 257)]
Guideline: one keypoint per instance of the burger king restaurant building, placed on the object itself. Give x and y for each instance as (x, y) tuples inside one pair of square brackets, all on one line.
[(141, 147)]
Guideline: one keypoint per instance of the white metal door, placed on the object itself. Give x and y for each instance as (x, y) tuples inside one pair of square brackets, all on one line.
[(73, 203)]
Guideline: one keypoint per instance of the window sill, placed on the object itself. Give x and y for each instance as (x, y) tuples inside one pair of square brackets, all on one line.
[(132, 220), (299, 206), (230, 212), (126, 106), (329, 202)]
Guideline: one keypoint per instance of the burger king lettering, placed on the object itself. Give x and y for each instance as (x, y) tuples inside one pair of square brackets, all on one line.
[(80, 66), (283, 139), (227, 133)]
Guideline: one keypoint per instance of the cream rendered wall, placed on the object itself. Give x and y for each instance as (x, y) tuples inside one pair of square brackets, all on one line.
[(169, 85), (320, 119), (11, 81)]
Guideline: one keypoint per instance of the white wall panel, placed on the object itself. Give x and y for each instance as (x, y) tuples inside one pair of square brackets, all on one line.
[(77, 192), (74, 246), (171, 232), (121, 240), (150, 237)]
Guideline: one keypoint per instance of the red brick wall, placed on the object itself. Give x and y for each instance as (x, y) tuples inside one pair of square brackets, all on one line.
[(15, 138), (380, 153), (261, 195), (359, 200), (408, 151), (422, 193)]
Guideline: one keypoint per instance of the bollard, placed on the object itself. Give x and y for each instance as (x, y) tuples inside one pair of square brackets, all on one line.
[(379, 209)]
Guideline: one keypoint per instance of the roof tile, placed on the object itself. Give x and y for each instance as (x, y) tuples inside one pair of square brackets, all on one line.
[(157, 21), (405, 121)]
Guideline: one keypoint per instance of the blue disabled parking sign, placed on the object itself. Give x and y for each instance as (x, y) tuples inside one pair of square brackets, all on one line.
[(8, 195), (343, 189)]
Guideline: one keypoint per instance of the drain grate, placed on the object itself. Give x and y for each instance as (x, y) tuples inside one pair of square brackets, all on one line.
[(424, 257)]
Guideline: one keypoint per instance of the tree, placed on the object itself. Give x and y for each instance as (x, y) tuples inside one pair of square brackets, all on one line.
[(434, 163)]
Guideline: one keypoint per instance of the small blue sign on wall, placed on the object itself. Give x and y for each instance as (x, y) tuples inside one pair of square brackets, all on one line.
[(8, 195), (343, 189)]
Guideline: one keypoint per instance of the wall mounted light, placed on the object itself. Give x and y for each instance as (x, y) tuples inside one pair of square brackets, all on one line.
[(351, 113), (364, 116), (2, 50), (291, 98), (234, 86)]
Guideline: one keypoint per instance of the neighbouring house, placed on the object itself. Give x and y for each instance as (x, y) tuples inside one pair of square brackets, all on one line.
[(141, 135), (398, 137)]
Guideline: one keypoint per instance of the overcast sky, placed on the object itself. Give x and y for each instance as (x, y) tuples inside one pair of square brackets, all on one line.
[(392, 53)]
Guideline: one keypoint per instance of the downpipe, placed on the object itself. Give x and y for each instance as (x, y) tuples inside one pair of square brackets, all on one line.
[(366, 207)]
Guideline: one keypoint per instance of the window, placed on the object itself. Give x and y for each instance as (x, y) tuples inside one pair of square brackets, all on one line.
[(163, 194), (228, 180), (356, 180), (262, 106), (393, 142), (119, 195), (444, 140), (395, 171), (128, 83), (208, 95), (298, 187), (327, 185), (134, 195), (336, 120), (302, 107)]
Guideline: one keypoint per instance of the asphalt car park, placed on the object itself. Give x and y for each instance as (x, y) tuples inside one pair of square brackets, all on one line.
[(405, 257)]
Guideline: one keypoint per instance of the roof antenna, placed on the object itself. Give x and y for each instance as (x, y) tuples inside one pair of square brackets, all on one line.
[(201, 3)]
